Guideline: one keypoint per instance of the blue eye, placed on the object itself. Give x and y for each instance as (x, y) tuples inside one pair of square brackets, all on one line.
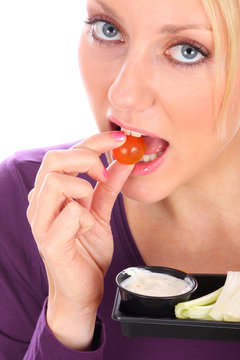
[(186, 53), (106, 31)]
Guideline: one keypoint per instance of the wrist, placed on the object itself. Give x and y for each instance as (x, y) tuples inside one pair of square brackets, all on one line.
[(72, 326)]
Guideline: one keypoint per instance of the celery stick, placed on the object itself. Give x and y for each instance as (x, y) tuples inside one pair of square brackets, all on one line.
[(209, 299), (231, 311), (198, 312), (231, 284)]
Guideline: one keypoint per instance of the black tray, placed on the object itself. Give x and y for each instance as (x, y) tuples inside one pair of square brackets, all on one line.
[(135, 326)]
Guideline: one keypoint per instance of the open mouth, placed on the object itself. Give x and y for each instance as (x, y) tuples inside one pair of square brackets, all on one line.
[(155, 146)]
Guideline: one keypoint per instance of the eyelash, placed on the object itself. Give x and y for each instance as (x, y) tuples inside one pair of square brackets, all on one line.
[(193, 44), (95, 19)]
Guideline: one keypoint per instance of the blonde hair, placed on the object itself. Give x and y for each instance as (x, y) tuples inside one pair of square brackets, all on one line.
[(224, 16)]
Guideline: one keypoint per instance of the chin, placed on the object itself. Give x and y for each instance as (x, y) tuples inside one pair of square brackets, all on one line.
[(143, 193)]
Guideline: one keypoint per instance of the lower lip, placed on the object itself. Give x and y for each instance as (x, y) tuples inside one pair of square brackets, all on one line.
[(142, 168)]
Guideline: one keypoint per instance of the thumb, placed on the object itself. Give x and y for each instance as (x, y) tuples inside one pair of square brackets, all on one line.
[(106, 192)]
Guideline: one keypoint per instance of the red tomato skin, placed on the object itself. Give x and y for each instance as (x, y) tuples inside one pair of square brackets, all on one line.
[(131, 151)]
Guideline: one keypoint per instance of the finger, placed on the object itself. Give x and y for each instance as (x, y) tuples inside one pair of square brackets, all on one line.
[(103, 142), (56, 189), (106, 193), (73, 161), (82, 158), (72, 221)]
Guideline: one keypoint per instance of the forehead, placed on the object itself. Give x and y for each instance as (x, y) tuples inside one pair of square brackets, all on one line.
[(154, 13)]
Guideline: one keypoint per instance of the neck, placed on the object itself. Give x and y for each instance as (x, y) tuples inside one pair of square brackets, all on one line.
[(215, 191), (195, 219)]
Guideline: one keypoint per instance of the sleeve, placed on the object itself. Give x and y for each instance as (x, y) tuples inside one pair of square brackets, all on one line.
[(45, 346), (24, 333)]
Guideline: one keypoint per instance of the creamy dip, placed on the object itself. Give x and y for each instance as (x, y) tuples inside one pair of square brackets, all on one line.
[(145, 282)]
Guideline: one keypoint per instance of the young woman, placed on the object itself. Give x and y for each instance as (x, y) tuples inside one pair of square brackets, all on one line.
[(165, 69)]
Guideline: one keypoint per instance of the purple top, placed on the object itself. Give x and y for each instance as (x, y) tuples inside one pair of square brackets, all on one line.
[(24, 288)]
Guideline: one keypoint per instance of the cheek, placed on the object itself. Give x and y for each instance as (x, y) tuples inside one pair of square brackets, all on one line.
[(191, 103), (92, 71), (191, 111)]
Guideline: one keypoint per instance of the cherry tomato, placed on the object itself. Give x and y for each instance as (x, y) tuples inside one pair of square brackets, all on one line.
[(131, 151)]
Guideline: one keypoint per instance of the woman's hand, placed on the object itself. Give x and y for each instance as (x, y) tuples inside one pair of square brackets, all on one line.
[(70, 223)]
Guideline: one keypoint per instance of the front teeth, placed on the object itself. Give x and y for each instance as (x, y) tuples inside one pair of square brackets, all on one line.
[(148, 158), (145, 158), (132, 133)]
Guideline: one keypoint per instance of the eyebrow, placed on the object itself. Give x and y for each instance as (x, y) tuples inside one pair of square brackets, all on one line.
[(165, 29), (107, 9), (173, 29)]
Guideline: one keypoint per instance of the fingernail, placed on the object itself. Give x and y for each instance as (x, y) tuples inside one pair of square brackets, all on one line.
[(119, 135), (105, 173)]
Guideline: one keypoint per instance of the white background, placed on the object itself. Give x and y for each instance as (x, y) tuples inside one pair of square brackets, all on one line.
[(42, 99)]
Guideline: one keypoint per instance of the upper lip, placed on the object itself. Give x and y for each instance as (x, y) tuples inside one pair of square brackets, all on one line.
[(131, 128)]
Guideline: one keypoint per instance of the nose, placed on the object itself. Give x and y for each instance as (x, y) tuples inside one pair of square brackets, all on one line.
[(131, 89)]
